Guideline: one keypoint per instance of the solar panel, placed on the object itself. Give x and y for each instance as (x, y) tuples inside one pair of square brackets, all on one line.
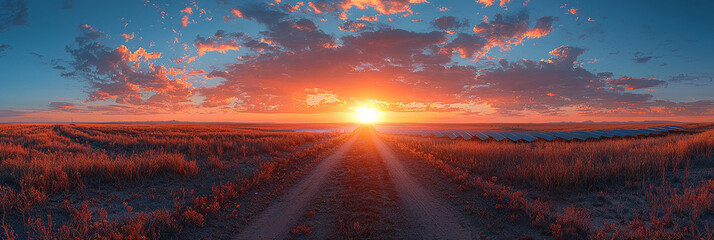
[(628, 132), (511, 136), (678, 127), (545, 136), (661, 129), (479, 135), (639, 132), (464, 135), (452, 134), (632, 132), (647, 131), (605, 133), (587, 134), (496, 136), (658, 130), (599, 134), (562, 135), (578, 135), (526, 136), (669, 128)]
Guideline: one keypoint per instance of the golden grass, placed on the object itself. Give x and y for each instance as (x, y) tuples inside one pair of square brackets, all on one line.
[(561, 165), (39, 161)]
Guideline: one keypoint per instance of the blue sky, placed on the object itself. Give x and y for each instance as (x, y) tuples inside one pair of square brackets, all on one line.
[(658, 52)]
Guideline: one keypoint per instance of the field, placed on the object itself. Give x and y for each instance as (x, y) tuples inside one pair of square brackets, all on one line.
[(265, 181)]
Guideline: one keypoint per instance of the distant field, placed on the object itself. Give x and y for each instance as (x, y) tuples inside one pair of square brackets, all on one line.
[(254, 181), (541, 127)]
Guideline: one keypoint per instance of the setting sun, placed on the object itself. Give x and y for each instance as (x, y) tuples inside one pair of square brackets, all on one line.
[(367, 115)]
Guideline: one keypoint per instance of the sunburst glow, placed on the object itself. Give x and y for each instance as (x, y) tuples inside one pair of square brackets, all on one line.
[(367, 115)]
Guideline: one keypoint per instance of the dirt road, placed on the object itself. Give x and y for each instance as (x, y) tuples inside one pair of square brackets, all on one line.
[(276, 221), (435, 218), (428, 216)]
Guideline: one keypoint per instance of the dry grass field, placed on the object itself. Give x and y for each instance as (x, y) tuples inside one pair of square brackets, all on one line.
[(222, 181)]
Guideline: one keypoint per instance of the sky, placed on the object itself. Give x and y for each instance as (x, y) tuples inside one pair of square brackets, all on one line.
[(322, 60)]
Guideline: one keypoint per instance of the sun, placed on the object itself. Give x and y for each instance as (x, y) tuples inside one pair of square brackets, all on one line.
[(367, 115)]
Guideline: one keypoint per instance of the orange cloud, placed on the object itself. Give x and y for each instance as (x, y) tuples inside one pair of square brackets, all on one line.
[(128, 36), (184, 20), (573, 11), (216, 43), (543, 27), (315, 8), (382, 6), (196, 72), (488, 3), (187, 10), (352, 26), (175, 71), (237, 13), (296, 7), (138, 55), (222, 48), (368, 18)]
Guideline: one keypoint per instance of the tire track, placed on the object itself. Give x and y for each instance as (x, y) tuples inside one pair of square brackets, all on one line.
[(434, 216), (276, 221)]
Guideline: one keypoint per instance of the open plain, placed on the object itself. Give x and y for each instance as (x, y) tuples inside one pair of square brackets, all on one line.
[(234, 181)]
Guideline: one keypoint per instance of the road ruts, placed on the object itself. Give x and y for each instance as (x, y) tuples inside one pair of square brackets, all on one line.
[(434, 217), (276, 220)]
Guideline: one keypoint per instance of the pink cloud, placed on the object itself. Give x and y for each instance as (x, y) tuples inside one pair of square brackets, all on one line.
[(219, 42)]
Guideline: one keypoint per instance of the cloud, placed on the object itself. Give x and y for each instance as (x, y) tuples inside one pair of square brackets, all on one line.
[(488, 3), (449, 22), (503, 31), (392, 65), (352, 26), (558, 84), (640, 58), (695, 79), (369, 18), (13, 13), (219, 42), (63, 106), (543, 27), (88, 34), (292, 34), (118, 75), (127, 37), (293, 66), (3, 48), (386, 7), (637, 83), (402, 70), (68, 4), (506, 30), (468, 45), (11, 113)]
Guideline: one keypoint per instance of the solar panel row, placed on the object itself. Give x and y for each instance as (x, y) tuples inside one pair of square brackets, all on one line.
[(530, 136)]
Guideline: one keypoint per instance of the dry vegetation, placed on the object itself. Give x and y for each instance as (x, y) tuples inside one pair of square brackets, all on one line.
[(132, 181), (200, 181), (560, 165), (644, 188)]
